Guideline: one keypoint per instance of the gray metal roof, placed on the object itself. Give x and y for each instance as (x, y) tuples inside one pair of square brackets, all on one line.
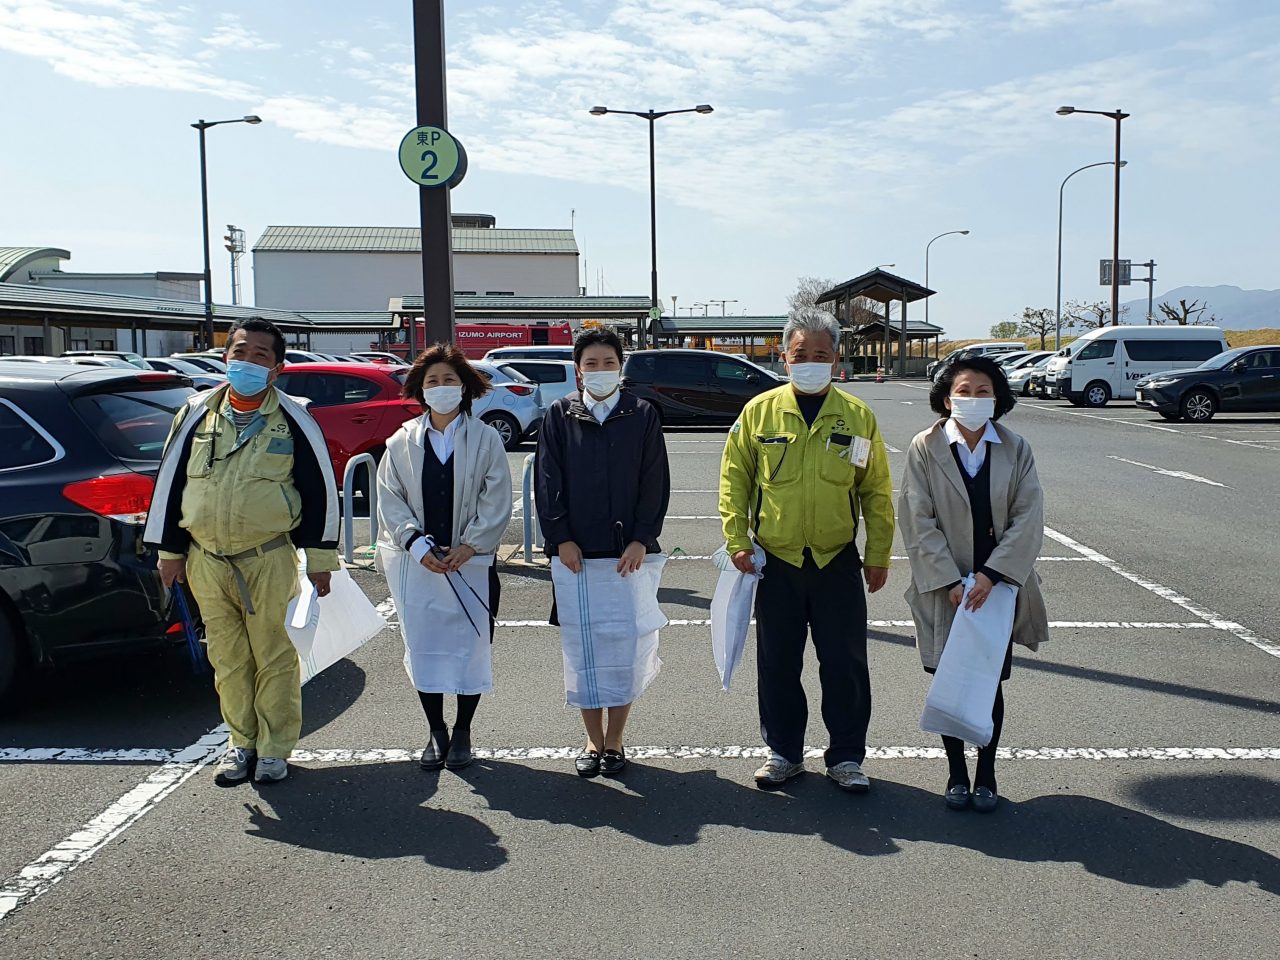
[(916, 329), (760, 326), (573, 305), (877, 285), (278, 239), (21, 299), (13, 259)]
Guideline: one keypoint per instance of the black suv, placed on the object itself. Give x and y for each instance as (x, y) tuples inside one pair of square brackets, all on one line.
[(1244, 380), (79, 450), (695, 386)]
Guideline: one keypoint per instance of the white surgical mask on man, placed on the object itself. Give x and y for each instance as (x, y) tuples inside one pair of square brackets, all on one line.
[(972, 413), (601, 383), (810, 377), (442, 400)]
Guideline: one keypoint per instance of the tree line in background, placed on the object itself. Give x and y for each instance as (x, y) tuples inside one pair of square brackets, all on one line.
[(1084, 315)]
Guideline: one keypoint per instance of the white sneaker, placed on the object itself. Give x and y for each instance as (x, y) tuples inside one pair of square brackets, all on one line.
[(849, 776), (776, 771), (235, 763), (271, 770)]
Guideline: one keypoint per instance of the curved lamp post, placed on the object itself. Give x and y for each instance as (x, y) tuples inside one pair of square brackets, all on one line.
[(1057, 336), (963, 233)]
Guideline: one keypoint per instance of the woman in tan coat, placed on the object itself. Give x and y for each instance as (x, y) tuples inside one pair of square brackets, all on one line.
[(971, 504)]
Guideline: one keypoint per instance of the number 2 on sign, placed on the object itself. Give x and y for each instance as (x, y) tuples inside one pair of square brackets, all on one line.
[(426, 172)]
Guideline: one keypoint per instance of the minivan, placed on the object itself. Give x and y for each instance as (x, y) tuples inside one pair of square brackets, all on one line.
[(695, 386), (1106, 364)]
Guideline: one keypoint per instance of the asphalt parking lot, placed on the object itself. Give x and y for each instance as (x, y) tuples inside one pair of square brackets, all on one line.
[(1141, 768)]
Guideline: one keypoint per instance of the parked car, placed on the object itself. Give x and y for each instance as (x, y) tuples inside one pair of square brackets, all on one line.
[(207, 361), (1244, 380), (374, 356), (126, 356), (695, 386), (82, 360), (555, 378), (514, 406), (304, 356), (79, 450), (200, 378), (974, 350), (1021, 379), (1106, 364), (529, 353)]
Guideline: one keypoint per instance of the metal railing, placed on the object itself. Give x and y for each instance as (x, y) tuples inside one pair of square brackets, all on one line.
[(348, 507), (532, 529)]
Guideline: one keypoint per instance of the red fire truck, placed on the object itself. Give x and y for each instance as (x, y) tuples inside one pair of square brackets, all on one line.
[(477, 339)]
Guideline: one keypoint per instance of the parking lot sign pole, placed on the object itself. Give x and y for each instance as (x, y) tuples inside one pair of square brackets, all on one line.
[(433, 204)]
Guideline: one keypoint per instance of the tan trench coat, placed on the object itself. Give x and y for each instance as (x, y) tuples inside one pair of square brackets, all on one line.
[(937, 528)]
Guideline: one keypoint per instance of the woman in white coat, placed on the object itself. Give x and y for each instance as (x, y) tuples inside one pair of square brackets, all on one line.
[(444, 501), (971, 504)]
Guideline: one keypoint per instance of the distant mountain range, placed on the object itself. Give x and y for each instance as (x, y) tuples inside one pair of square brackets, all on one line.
[(1235, 309)]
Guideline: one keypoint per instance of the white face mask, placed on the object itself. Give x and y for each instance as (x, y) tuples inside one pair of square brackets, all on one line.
[(810, 377), (601, 383), (444, 399), (972, 412)]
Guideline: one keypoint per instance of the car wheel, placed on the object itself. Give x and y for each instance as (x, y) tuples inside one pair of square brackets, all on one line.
[(1171, 417), (1097, 394), (1199, 406), (507, 428), (10, 663)]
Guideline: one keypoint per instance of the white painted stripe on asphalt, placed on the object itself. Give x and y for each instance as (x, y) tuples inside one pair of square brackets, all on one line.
[(1176, 474), (688, 556), (686, 516), (54, 864), (1238, 443), (83, 755), (892, 449), (1054, 624), (1131, 423), (1215, 620)]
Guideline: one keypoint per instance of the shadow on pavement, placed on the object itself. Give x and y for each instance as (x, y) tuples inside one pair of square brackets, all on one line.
[(1223, 797)]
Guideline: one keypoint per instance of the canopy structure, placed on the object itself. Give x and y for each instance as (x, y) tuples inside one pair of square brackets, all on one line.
[(866, 334)]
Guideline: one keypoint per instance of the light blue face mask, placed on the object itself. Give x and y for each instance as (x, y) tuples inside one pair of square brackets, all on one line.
[(247, 379)]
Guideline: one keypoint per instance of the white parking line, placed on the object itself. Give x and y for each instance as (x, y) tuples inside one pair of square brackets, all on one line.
[(50, 867), (1207, 616), (1054, 624), (1176, 474)]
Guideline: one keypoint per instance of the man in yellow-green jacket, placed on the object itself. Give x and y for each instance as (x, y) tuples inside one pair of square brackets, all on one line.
[(803, 463), (245, 481)]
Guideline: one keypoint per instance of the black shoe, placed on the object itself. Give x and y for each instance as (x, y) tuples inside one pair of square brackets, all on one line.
[(588, 763), (957, 796), (434, 753), (985, 799), (613, 762), (459, 754)]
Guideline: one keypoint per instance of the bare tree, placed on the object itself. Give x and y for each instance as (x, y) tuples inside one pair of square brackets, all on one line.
[(1186, 314), (1090, 316), (808, 290), (1037, 322)]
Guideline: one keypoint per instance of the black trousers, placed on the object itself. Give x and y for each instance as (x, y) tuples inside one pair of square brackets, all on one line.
[(830, 603)]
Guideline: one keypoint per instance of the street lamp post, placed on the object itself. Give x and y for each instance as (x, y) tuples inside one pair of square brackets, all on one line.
[(1057, 336), (963, 233), (722, 304), (202, 126), (1117, 115), (652, 116)]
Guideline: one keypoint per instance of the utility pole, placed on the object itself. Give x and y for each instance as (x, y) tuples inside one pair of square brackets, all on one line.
[(1150, 281), (235, 244)]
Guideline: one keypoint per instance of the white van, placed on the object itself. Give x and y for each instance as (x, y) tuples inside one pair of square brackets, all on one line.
[(1106, 364)]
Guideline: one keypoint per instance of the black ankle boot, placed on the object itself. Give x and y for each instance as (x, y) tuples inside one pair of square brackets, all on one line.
[(459, 755), (433, 756)]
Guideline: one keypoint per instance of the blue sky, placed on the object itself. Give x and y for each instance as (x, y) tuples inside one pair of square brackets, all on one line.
[(846, 134)]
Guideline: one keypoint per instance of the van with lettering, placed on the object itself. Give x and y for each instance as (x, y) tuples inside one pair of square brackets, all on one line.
[(1106, 364)]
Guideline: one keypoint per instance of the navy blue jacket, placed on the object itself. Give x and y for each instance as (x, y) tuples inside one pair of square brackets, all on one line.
[(602, 485)]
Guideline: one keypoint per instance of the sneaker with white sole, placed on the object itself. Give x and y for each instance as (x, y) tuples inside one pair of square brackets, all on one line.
[(271, 770), (235, 765), (776, 771), (849, 776)]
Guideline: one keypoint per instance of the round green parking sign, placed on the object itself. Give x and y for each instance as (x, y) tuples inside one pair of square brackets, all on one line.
[(432, 157)]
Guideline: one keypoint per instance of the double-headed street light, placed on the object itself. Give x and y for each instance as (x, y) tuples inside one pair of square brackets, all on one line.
[(652, 116), (1117, 115), (202, 126), (1057, 336), (963, 233)]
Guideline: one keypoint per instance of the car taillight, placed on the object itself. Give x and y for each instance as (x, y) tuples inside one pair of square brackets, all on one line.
[(519, 389), (125, 497)]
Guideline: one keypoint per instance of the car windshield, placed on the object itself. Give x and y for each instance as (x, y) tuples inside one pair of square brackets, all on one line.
[(1224, 360), (132, 424), (490, 372)]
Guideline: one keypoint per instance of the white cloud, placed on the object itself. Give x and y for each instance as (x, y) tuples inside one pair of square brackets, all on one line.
[(1041, 14), (232, 34)]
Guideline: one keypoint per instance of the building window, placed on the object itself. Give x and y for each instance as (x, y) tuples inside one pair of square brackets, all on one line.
[(499, 293), (8, 346), (465, 293), (79, 344), (33, 346), (104, 345)]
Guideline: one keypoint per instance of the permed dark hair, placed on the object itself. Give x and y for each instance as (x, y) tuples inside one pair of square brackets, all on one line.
[(474, 385), (589, 338), (1005, 400), (259, 325)]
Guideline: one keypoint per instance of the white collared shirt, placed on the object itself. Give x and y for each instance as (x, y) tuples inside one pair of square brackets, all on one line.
[(600, 409), (972, 459), (442, 440)]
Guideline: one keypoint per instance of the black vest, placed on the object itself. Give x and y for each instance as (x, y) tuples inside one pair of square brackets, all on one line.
[(979, 489), (437, 496)]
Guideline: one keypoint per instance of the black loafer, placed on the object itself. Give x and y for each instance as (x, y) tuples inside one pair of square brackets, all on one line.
[(957, 796), (588, 763), (459, 754), (985, 799), (434, 753), (613, 762)]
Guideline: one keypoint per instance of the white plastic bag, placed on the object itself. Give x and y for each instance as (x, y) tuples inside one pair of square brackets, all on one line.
[(964, 687), (327, 629), (731, 608), (608, 630)]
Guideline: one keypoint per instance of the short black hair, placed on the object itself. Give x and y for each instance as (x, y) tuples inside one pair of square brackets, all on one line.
[(1005, 400), (260, 325), (589, 338)]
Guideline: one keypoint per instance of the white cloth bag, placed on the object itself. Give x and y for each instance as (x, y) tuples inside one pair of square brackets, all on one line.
[(608, 630), (964, 686), (446, 633), (328, 629), (731, 608)]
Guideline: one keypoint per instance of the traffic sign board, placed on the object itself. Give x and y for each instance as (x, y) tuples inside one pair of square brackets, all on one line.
[(655, 313), (1104, 271), (433, 157)]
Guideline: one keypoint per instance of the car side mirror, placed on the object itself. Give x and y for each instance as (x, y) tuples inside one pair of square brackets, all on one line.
[(753, 378), (1239, 367)]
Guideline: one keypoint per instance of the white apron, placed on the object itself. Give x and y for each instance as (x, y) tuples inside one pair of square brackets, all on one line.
[(609, 630), (444, 651)]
